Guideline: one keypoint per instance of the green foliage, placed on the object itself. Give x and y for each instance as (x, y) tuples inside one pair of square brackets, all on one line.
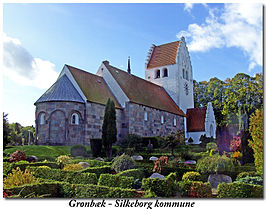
[(192, 176), (205, 140), (97, 170), (211, 146), (256, 180), (92, 163), (74, 177), (245, 174), (161, 187), (133, 141), (149, 194), (96, 147), (109, 130), (18, 178), (256, 131), (194, 189), (17, 156), (116, 181), (63, 159), (135, 173), (123, 162), (6, 130), (173, 140), (73, 167), (215, 164), (78, 150), (239, 190)]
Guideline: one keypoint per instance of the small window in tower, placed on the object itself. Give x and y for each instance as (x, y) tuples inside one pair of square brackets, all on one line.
[(184, 73), (162, 119), (157, 74), (145, 116), (187, 75), (174, 121), (165, 72), (75, 119), (42, 121)]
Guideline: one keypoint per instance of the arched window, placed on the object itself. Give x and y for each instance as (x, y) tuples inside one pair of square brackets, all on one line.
[(165, 72), (162, 119), (42, 119), (187, 75), (157, 74), (75, 119), (184, 73), (211, 131), (145, 116), (174, 121)]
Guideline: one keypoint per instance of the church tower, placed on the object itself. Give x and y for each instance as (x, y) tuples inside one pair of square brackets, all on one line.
[(169, 66)]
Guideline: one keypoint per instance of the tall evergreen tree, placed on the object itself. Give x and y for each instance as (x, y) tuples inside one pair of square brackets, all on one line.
[(109, 130), (6, 130)]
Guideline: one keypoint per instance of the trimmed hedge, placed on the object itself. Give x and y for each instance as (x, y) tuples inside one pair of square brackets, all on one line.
[(161, 187), (195, 189), (97, 170), (239, 190), (93, 163), (7, 167), (67, 190), (74, 177), (116, 181), (135, 173)]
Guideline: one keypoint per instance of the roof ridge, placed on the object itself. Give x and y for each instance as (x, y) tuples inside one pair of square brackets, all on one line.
[(167, 43), (75, 68)]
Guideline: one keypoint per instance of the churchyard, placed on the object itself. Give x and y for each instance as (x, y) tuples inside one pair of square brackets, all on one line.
[(148, 167)]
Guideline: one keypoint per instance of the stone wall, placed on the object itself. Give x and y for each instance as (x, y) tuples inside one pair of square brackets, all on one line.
[(57, 129), (152, 126)]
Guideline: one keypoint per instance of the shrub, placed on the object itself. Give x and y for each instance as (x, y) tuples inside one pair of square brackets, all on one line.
[(93, 163), (245, 174), (256, 131), (74, 177), (97, 170), (205, 140), (96, 147), (116, 181), (123, 162), (149, 194), (17, 156), (192, 176), (73, 167), (133, 141), (135, 173), (78, 150), (256, 180), (215, 164), (18, 178), (161, 187), (63, 159), (194, 189), (211, 146), (239, 190)]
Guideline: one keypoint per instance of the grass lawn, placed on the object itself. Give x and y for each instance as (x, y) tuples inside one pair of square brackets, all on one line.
[(42, 152)]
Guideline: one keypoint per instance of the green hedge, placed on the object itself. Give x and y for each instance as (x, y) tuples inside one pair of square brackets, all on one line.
[(7, 167), (116, 181), (194, 189), (97, 170), (93, 163), (74, 177), (161, 187), (239, 190), (135, 173), (67, 190)]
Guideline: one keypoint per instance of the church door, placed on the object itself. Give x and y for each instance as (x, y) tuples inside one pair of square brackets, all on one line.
[(57, 127)]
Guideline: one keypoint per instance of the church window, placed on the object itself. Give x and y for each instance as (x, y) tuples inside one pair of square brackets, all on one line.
[(75, 119), (145, 116), (187, 75), (184, 73), (174, 121), (165, 72), (42, 121), (162, 119), (157, 74)]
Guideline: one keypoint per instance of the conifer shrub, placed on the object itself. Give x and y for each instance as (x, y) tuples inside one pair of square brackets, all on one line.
[(122, 163), (73, 167), (78, 150), (63, 159), (17, 156), (18, 178), (192, 176)]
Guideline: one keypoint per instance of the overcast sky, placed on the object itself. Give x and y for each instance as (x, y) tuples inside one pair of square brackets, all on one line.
[(223, 39)]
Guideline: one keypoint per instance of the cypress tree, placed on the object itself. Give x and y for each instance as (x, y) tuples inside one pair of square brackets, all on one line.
[(109, 128)]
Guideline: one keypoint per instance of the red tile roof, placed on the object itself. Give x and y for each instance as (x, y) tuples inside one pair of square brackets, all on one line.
[(163, 55), (143, 92), (196, 119), (93, 86)]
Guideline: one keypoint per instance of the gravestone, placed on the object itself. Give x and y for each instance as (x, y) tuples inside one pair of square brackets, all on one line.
[(216, 179)]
